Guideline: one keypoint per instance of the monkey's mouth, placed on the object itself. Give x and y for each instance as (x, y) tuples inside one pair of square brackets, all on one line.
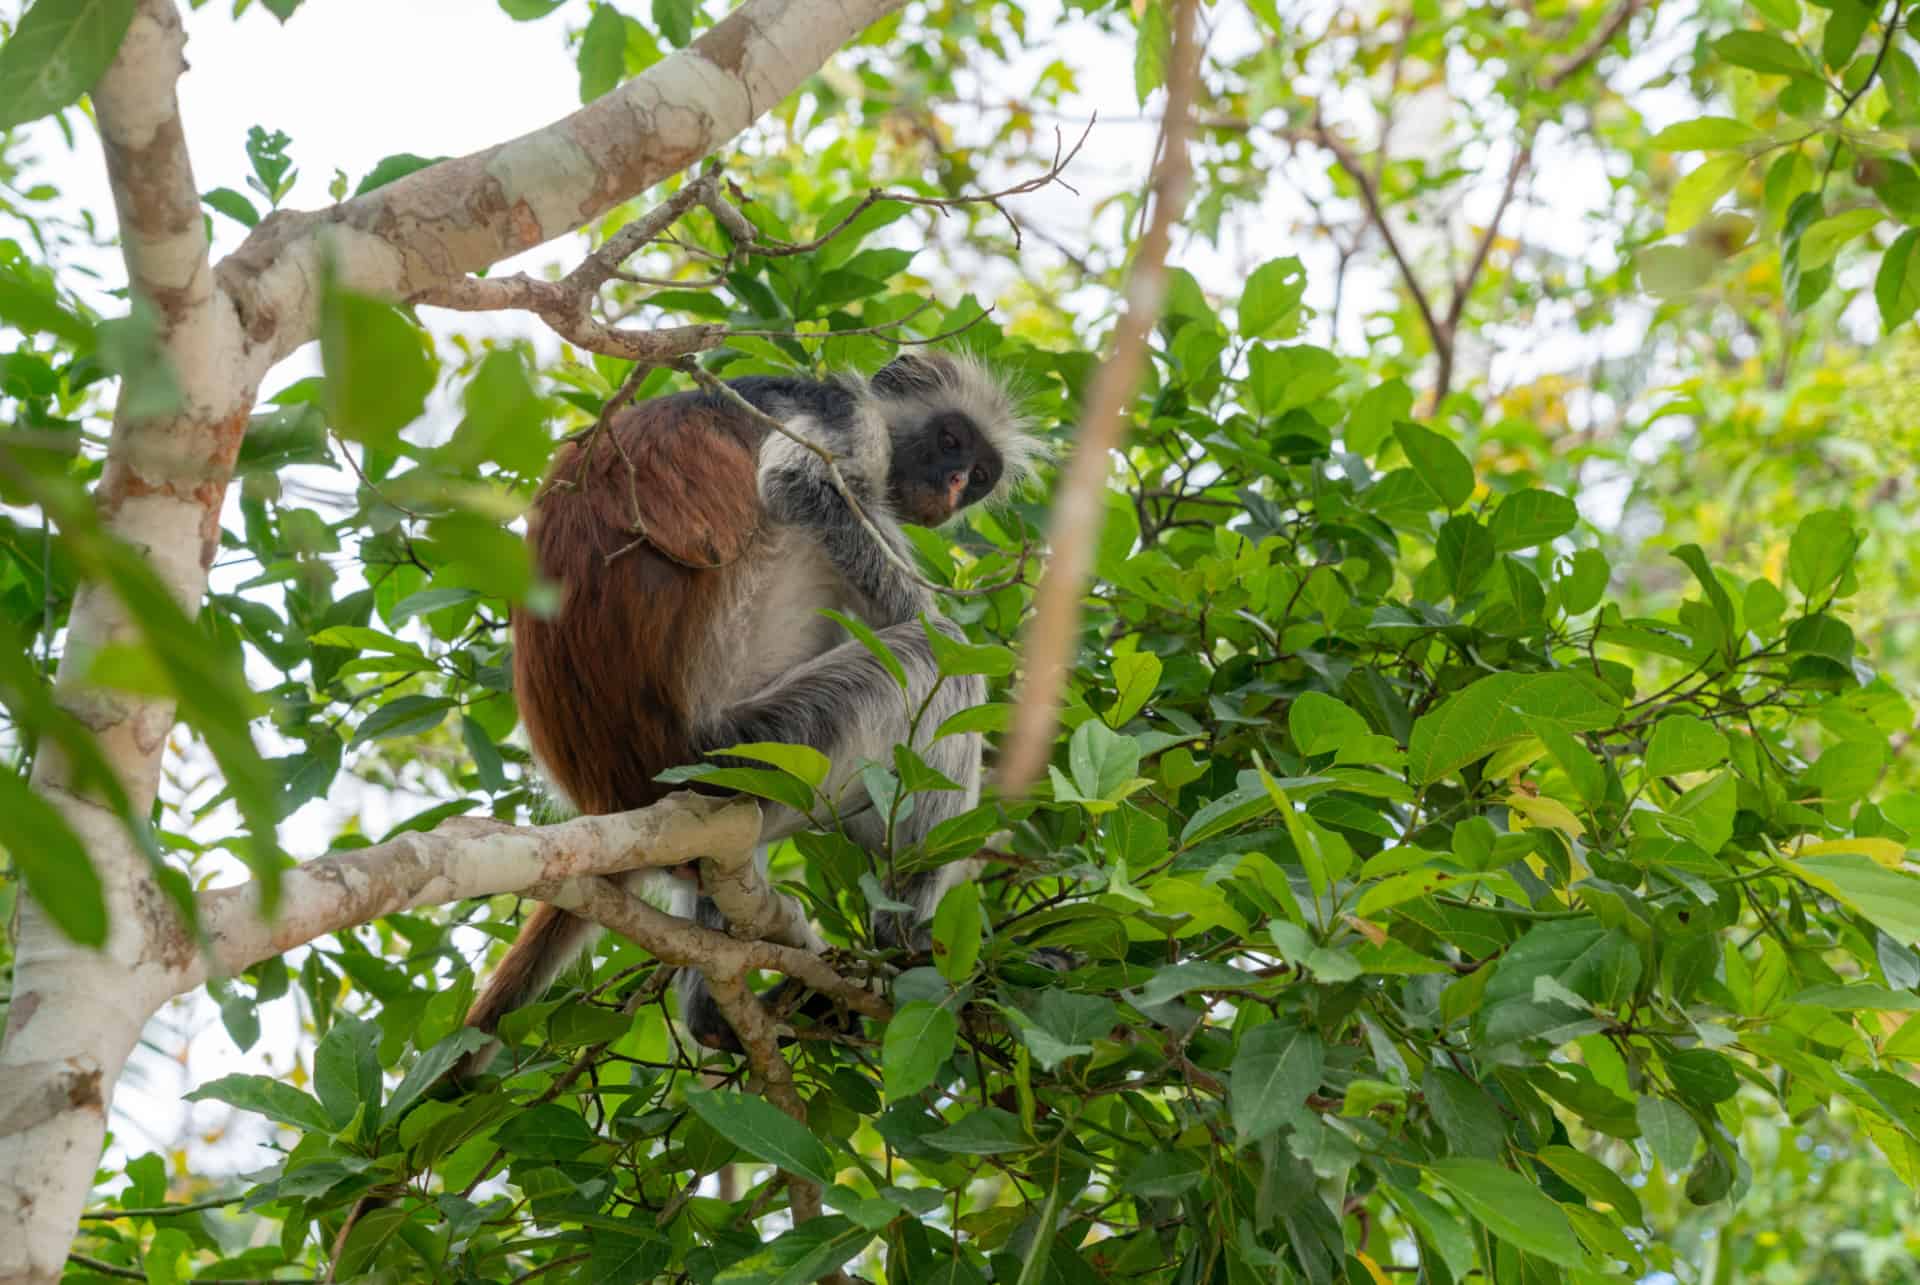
[(926, 505)]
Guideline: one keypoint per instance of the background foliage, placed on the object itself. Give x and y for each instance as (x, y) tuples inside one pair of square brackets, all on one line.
[(1481, 826)]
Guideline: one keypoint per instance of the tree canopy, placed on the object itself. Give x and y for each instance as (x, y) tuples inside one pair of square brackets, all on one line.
[(1475, 842)]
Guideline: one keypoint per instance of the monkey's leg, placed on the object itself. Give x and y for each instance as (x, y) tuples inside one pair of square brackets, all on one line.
[(846, 704)]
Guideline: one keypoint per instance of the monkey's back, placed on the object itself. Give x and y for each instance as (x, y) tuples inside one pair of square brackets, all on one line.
[(643, 525)]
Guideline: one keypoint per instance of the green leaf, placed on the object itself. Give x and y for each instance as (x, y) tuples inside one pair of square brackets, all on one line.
[(1890, 899), (403, 716), (1102, 760), (800, 761), (603, 52), (346, 1070), (1374, 415), (1272, 295), (1150, 50), (45, 851), (989, 1131), (58, 51), (919, 1038), (232, 204), (1695, 194), (764, 1131), (800, 1255), (1670, 1130), (1822, 546), (872, 642), (378, 373), (1438, 462), (549, 1131), (1683, 743), (1511, 1207), (1274, 1069), (955, 657), (1532, 517), (958, 927), (674, 19), (1821, 242), (35, 309), (264, 1095), (1595, 1181), (1495, 711), (389, 168), (1759, 51), (529, 10), (1708, 133), (1135, 675), (1896, 288)]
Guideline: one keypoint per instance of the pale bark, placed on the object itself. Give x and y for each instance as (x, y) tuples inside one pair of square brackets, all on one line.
[(75, 1013)]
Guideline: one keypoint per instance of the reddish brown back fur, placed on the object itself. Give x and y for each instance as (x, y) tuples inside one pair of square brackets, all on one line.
[(603, 684)]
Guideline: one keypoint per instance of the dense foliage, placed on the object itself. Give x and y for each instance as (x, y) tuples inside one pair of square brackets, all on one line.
[(1435, 874)]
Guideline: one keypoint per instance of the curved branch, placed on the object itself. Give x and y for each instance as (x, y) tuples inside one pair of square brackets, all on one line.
[(469, 857), (462, 215)]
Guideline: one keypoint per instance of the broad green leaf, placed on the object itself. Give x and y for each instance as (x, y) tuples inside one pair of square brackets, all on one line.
[(919, 1038), (1495, 711), (674, 18), (603, 52), (1695, 194), (1896, 288), (1683, 743), (50, 857), (1135, 675), (800, 761), (1150, 50), (549, 1131), (958, 926), (989, 1131), (763, 1130), (1511, 1207), (32, 308), (1595, 1181), (1890, 899), (1708, 133), (1533, 517), (1820, 243), (56, 53), (1822, 546), (1274, 1069), (1760, 51), (1669, 1130), (264, 1095), (1439, 463), (1271, 295), (800, 1255), (378, 373)]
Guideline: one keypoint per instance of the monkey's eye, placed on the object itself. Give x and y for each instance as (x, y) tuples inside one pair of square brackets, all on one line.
[(979, 476), (948, 442)]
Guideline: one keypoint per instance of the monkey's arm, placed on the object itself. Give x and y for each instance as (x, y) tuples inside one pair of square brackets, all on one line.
[(797, 491)]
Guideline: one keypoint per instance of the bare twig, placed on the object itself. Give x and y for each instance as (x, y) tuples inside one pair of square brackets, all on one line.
[(1078, 510), (1602, 37)]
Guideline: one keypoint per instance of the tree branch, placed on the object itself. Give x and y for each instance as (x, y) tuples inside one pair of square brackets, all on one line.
[(462, 215), (1078, 508), (470, 857)]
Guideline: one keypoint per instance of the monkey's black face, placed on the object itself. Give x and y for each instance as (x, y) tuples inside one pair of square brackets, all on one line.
[(942, 466)]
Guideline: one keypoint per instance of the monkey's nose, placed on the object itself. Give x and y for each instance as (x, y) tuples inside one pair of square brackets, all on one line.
[(956, 487)]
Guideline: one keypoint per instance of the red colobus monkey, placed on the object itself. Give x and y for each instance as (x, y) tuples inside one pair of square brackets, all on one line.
[(705, 631)]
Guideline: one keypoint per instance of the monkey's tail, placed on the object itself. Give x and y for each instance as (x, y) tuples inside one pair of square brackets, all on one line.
[(549, 940)]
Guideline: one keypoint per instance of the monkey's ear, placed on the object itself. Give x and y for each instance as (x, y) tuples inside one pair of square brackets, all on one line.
[(911, 373)]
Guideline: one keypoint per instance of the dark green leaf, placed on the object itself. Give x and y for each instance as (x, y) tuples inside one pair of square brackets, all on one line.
[(764, 1131)]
